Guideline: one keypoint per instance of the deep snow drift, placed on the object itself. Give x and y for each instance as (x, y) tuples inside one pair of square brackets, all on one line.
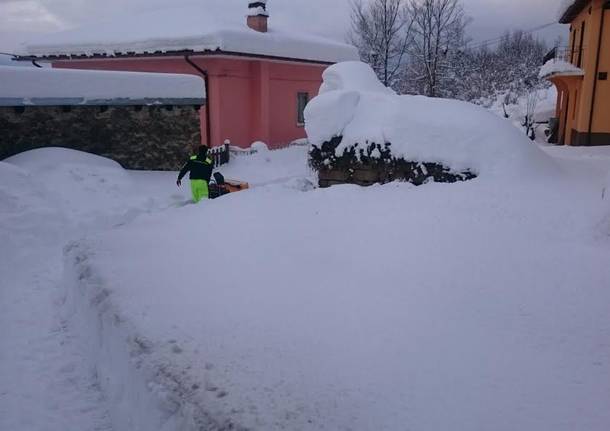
[(354, 105)]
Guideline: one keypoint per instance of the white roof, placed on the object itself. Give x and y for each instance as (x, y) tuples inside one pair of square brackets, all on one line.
[(559, 67), (47, 86), (197, 28)]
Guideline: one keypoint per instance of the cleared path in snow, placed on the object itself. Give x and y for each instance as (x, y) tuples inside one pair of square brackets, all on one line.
[(46, 383)]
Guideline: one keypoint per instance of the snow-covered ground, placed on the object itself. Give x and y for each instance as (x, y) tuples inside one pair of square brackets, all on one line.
[(472, 306), (542, 103)]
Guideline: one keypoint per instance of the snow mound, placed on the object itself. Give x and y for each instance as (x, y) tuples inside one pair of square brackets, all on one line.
[(559, 67), (354, 105), (352, 75), (86, 187), (53, 157)]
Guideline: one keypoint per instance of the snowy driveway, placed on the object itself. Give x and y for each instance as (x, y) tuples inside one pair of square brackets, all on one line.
[(472, 306)]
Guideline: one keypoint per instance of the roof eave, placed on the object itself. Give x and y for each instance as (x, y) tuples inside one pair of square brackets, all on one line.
[(62, 57), (573, 11)]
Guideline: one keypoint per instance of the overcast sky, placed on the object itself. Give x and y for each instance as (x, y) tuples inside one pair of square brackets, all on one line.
[(20, 19)]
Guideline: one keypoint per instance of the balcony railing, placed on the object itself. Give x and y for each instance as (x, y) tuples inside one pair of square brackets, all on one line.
[(574, 55)]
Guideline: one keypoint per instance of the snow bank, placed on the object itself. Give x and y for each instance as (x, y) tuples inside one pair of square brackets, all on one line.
[(353, 104), (559, 67), (63, 86), (199, 28), (88, 189)]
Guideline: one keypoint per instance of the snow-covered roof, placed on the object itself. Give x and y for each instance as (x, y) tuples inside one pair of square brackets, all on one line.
[(355, 106), (559, 67), (569, 9), (197, 28), (56, 87)]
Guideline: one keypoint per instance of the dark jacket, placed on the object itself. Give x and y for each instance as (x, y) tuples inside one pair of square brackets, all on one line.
[(200, 168)]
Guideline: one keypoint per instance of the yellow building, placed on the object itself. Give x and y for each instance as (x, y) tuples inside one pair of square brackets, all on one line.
[(580, 74)]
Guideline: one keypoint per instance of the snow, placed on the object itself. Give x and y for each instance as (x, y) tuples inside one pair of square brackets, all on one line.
[(517, 108), (196, 27), (257, 11), (352, 76), (61, 86), (564, 6), (476, 305), (353, 104), (559, 67), (259, 147)]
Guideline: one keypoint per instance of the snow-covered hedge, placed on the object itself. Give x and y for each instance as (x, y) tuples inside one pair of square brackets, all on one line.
[(356, 121)]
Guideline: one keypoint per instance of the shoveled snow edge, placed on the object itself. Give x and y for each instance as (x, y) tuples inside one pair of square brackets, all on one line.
[(142, 393)]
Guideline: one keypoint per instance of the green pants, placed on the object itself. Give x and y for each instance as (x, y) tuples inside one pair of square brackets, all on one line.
[(199, 188)]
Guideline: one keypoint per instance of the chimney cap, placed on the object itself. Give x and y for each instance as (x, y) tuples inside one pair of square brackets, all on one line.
[(257, 8)]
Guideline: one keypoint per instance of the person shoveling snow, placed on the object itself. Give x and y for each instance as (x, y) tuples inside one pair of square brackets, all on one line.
[(200, 167)]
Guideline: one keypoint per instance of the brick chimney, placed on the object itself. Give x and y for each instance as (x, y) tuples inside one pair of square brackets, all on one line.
[(258, 15)]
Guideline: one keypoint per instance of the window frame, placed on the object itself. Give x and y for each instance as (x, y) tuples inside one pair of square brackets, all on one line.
[(301, 112)]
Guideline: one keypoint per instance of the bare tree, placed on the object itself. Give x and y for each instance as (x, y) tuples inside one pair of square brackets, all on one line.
[(438, 37), (381, 30)]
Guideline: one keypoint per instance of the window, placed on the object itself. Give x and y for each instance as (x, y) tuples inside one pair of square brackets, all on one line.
[(302, 100)]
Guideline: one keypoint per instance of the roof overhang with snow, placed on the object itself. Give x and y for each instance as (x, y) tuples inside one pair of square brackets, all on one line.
[(556, 67), (181, 53), (571, 9), (25, 86)]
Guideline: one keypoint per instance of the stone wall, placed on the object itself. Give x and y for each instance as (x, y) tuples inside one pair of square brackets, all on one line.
[(143, 137)]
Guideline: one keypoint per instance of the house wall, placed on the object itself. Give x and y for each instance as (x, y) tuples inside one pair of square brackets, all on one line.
[(579, 90), (249, 99), (286, 82), (146, 137)]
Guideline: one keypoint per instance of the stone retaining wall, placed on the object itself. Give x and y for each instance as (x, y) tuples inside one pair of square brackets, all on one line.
[(138, 137)]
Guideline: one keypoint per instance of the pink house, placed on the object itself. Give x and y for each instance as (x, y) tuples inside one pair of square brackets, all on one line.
[(258, 78)]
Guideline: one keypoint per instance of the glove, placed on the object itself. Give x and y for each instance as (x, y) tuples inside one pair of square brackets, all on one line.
[(178, 183)]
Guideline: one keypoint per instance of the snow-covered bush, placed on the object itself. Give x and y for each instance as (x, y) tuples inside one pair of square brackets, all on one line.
[(357, 123)]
